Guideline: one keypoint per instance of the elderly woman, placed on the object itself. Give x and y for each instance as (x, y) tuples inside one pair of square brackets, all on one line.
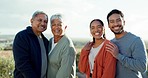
[(62, 53)]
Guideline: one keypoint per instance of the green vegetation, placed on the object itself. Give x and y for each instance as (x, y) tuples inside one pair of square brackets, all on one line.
[(6, 67), (7, 62)]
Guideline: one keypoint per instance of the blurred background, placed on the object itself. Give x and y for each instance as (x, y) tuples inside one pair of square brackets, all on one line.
[(15, 15)]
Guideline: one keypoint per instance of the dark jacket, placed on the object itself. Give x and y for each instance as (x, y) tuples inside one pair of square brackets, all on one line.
[(27, 54)]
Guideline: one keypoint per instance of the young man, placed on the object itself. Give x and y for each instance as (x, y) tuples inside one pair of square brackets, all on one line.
[(30, 49), (131, 54)]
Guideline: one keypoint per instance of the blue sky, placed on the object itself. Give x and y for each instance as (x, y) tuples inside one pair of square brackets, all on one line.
[(15, 15)]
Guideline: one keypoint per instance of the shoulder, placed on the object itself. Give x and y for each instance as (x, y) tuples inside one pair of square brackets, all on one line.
[(134, 37), (107, 41), (67, 40), (131, 36), (21, 38), (25, 32), (25, 35), (69, 44), (21, 34)]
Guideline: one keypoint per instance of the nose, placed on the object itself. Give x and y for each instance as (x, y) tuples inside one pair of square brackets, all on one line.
[(43, 22), (96, 29), (116, 23), (56, 26)]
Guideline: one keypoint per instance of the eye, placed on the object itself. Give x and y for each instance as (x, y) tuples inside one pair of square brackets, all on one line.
[(40, 20), (92, 27), (111, 21), (99, 26), (53, 24), (59, 24), (45, 21), (118, 20)]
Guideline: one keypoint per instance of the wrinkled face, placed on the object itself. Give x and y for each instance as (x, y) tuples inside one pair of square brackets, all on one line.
[(96, 29), (116, 23), (39, 23), (57, 27)]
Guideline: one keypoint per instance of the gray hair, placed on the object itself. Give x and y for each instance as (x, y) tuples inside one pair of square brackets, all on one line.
[(56, 16), (38, 12)]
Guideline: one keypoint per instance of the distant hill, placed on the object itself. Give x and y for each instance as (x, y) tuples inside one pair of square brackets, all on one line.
[(9, 37), (12, 36), (77, 41)]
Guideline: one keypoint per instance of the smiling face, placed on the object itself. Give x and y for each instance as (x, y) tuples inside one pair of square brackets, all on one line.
[(57, 27), (116, 23), (39, 23), (96, 29)]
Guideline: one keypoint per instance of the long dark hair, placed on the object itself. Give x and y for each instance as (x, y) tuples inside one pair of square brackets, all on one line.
[(101, 24)]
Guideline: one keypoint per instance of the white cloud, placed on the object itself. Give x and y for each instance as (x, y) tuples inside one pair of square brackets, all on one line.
[(17, 13)]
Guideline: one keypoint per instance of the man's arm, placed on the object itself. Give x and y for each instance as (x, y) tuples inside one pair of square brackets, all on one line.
[(21, 57), (138, 61)]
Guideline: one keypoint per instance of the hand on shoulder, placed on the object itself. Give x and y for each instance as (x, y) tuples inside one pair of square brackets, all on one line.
[(88, 46), (113, 49)]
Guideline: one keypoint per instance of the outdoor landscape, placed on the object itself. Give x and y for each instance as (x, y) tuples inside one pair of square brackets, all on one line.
[(6, 57)]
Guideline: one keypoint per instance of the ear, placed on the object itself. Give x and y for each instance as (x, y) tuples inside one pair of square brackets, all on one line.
[(124, 23), (65, 27), (108, 24), (31, 20)]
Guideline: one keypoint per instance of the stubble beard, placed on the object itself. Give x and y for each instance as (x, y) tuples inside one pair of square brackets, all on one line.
[(116, 33)]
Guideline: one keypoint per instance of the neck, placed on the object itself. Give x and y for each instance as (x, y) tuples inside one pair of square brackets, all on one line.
[(98, 42), (117, 36), (57, 38), (36, 33)]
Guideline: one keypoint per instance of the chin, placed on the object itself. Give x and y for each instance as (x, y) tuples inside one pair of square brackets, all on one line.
[(118, 32), (98, 38), (42, 30)]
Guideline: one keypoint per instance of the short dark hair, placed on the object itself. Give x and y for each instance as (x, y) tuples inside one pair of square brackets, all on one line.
[(114, 11)]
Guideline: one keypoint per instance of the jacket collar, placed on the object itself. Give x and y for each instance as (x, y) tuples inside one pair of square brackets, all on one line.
[(30, 31)]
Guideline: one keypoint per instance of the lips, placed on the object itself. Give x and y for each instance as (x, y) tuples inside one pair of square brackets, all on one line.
[(116, 28), (41, 27), (57, 31), (96, 33)]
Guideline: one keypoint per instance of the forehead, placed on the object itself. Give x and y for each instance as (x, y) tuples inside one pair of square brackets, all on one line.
[(114, 16), (95, 23), (42, 16), (56, 21)]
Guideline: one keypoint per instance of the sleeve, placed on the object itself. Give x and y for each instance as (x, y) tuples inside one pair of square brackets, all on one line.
[(109, 66), (21, 57), (83, 64), (68, 66), (138, 61)]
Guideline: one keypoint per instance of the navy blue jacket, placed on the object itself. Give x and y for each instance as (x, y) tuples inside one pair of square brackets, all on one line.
[(27, 54)]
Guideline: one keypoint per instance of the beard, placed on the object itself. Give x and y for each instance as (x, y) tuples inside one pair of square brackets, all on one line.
[(118, 32)]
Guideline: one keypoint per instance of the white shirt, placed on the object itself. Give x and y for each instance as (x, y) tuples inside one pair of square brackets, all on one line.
[(93, 53), (52, 46)]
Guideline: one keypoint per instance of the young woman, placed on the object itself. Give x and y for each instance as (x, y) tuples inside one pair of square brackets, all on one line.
[(94, 60)]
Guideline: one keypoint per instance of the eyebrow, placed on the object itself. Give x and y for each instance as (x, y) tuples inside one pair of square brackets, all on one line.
[(97, 25), (115, 19)]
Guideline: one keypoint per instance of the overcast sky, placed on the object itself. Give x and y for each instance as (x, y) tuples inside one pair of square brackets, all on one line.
[(15, 15)]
